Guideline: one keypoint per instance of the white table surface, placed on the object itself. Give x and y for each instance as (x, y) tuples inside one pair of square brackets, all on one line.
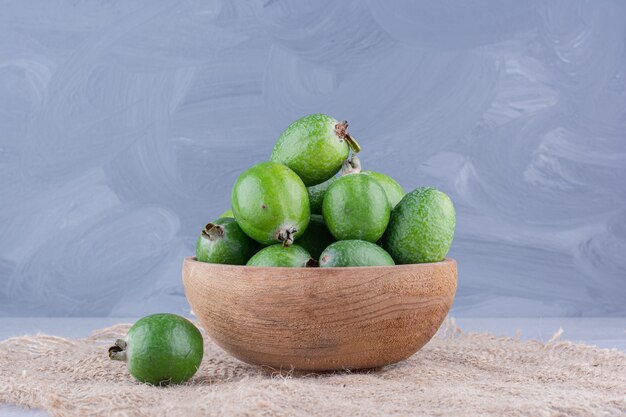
[(605, 332)]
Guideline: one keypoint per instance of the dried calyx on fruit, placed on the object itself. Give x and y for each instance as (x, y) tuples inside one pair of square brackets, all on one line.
[(351, 166), (341, 130), (212, 231)]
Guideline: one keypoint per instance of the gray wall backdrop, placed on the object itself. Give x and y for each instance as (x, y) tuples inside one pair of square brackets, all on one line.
[(123, 125)]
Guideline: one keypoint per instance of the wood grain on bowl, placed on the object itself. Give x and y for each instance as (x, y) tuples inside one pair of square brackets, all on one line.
[(320, 318)]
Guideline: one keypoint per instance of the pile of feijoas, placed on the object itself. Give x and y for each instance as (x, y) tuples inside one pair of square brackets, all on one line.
[(311, 205)]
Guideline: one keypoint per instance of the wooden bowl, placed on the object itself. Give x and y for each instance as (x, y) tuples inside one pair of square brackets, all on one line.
[(320, 319)]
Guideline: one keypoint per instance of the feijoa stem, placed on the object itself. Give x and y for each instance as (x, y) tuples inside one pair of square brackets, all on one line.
[(212, 231), (353, 144), (117, 352), (341, 130), (351, 166)]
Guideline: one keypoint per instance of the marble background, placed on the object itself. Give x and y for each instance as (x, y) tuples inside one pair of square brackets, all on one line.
[(123, 125)]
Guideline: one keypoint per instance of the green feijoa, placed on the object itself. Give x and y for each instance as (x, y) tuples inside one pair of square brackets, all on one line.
[(160, 349), (317, 237), (227, 213), (314, 147), (270, 203), (278, 255), (393, 190), (317, 193), (356, 207), (354, 253), (223, 242), (421, 227)]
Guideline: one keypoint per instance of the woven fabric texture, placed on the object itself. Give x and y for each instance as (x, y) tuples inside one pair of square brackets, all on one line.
[(456, 374)]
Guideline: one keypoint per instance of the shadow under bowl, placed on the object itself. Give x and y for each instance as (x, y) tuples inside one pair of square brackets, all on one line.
[(320, 319)]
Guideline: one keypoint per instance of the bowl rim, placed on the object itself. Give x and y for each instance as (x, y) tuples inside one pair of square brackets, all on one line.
[(425, 265)]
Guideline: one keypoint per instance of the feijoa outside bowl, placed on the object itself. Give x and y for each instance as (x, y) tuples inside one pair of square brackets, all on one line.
[(320, 319)]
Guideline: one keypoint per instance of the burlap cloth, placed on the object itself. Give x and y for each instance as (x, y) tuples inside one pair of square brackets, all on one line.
[(456, 374)]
